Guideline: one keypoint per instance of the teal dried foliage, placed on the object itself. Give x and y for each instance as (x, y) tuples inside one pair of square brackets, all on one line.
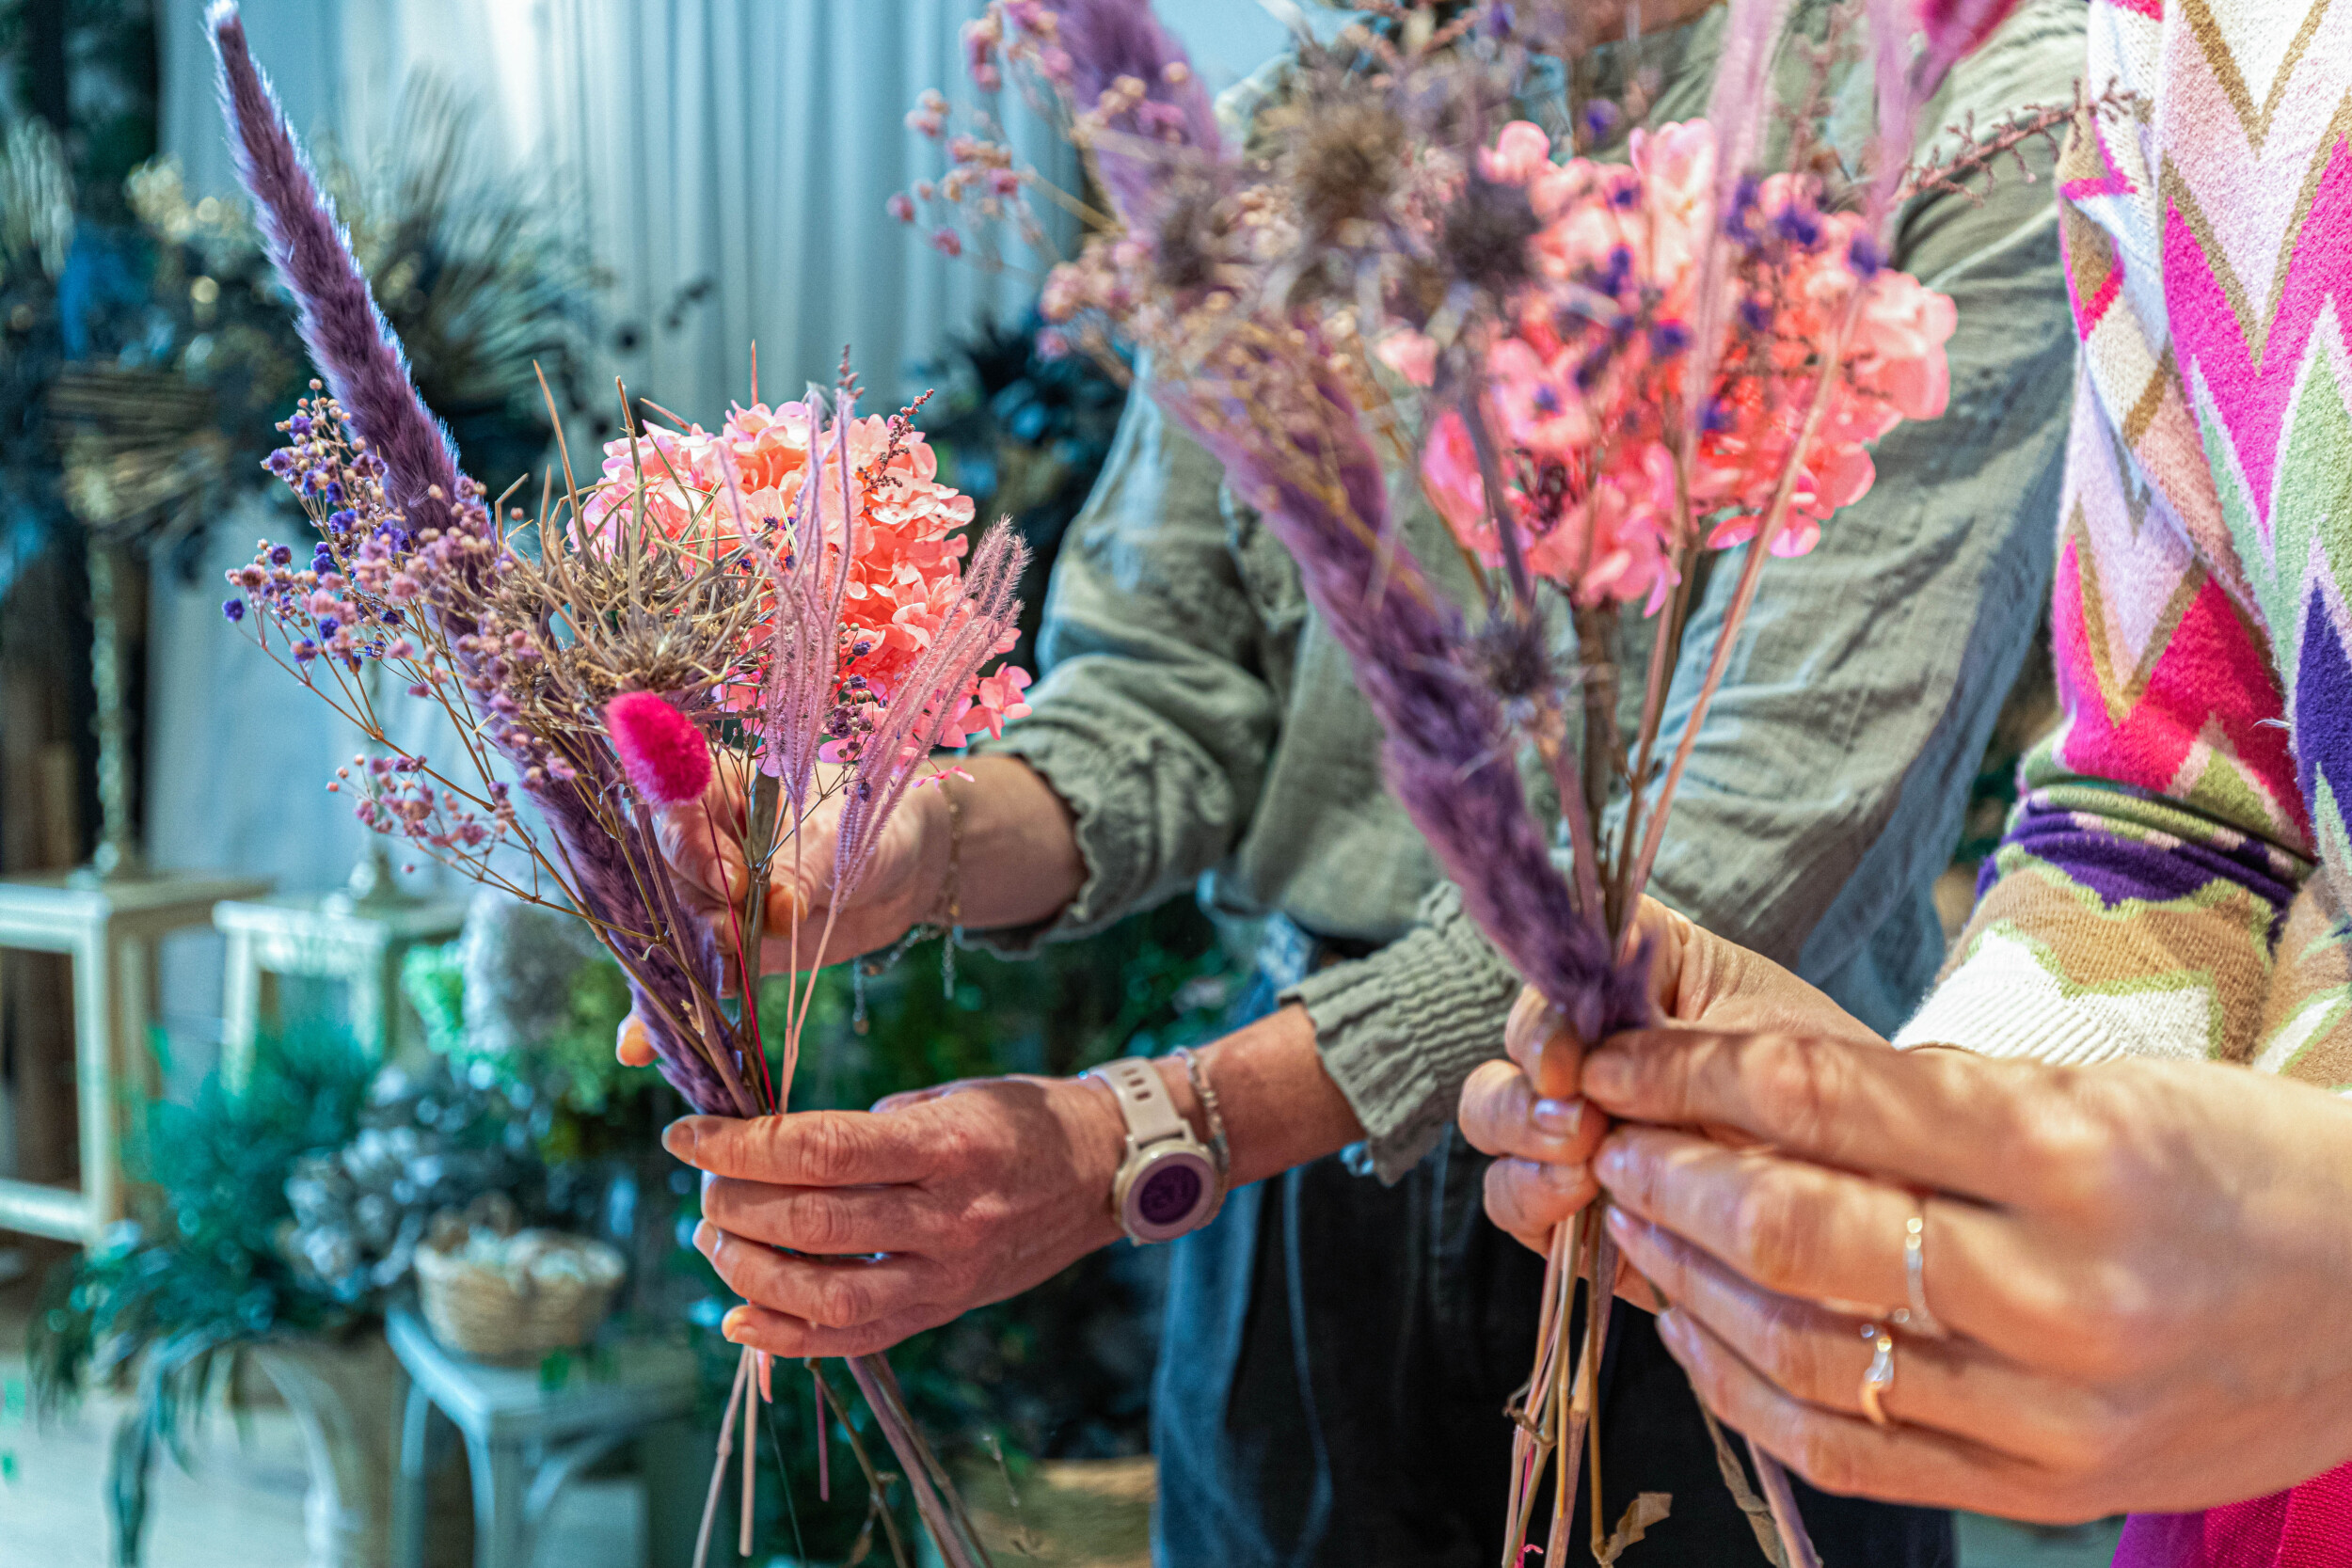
[(166, 1310)]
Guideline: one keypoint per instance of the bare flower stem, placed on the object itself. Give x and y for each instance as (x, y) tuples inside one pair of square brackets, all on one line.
[(1767, 530)]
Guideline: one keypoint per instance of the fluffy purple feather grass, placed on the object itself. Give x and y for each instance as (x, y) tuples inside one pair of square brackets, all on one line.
[(1107, 40), (359, 358), (1447, 751), (355, 348)]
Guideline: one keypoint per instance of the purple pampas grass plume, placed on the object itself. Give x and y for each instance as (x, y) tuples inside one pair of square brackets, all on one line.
[(1111, 42), (354, 347), (1319, 486)]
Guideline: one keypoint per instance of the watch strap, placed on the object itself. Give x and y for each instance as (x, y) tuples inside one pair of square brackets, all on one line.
[(1143, 1101)]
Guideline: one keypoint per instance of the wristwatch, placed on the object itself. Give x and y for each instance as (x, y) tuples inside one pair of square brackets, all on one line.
[(1170, 1182)]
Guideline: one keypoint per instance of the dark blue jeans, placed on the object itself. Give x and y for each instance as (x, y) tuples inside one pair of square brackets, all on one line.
[(1334, 1362)]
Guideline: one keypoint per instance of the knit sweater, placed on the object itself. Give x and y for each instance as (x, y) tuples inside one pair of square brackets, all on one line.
[(2173, 880)]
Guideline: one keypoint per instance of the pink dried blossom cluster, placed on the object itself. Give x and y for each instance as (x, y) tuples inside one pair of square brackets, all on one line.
[(743, 485), (397, 796), (1586, 369)]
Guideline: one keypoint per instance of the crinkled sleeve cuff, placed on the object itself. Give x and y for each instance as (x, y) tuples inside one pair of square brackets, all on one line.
[(1401, 1030)]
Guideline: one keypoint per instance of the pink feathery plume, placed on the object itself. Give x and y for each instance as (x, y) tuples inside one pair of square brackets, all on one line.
[(662, 754), (911, 725), (1743, 91), (1898, 101), (359, 358), (809, 584)]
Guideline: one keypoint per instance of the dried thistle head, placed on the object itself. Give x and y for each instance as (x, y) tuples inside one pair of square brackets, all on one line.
[(1343, 156), (1194, 241), (1510, 655), (642, 613), (1483, 237)]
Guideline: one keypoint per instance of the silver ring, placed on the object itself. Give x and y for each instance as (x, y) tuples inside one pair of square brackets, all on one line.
[(1917, 1318)]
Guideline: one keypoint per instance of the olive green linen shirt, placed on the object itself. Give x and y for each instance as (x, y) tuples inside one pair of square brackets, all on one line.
[(1202, 725)]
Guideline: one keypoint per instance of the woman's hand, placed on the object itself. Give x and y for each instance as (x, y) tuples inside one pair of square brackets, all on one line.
[(1526, 1112), (1006, 839), (2140, 1265), (900, 1218)]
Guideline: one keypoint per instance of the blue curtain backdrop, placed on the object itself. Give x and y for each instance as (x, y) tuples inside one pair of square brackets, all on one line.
[(726, 161)]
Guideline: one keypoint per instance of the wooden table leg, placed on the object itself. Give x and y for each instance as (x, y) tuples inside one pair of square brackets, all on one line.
[(94, 1055), (502, 1523)]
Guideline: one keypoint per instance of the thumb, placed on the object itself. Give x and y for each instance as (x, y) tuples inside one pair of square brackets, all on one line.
[(800, 877), (703, 853)]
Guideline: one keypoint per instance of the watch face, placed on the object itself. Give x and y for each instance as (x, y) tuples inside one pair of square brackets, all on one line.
[(1170, 1196)]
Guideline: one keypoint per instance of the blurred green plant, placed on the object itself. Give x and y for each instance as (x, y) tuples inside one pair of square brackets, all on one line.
[(168, 1310)]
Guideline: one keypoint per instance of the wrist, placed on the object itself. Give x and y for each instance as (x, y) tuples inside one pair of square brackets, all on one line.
[(928, 892), (1099, 1144)]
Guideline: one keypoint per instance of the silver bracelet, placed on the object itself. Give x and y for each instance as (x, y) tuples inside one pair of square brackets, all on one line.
[(1197, 1075)]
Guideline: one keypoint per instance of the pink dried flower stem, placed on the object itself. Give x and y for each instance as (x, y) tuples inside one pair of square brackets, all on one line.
[(1759, 548), (1736, 109)]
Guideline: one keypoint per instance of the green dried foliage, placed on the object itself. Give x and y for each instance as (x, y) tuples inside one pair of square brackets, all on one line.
[(165, 1311)]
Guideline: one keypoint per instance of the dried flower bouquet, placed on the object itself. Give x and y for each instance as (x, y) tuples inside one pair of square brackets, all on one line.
[(1603, 373), (790, 601)]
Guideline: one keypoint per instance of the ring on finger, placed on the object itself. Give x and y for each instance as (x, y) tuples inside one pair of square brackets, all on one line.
[(1915, 1318), (1879, 1375)]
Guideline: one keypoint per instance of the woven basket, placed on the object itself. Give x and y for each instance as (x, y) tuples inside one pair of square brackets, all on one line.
[(518, 1308)]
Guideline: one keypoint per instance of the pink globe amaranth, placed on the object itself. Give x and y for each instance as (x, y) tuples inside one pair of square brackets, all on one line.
[(663, 755)]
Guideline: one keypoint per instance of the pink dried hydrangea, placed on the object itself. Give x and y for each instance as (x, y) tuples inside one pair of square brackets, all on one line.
[(907, 547), (1585, 387)]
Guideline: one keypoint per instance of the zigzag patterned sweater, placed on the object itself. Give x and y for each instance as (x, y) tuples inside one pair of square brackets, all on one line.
[(2155, 894), (2174, 881)]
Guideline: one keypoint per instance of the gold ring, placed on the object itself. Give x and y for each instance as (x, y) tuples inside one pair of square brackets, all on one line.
[(1879, 1376)]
